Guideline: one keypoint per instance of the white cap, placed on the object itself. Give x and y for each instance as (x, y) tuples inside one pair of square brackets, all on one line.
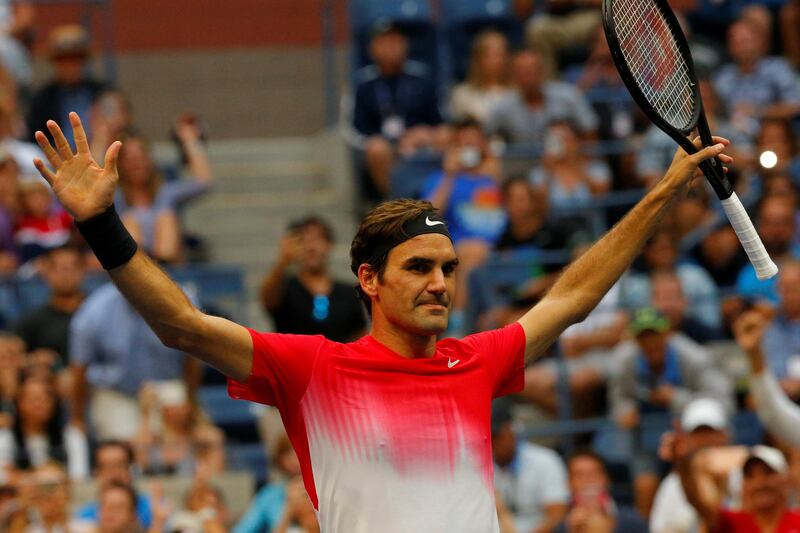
[(171, 393), (702, 412), (772, 457)]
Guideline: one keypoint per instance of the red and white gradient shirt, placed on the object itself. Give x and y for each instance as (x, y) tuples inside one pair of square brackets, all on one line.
[(386, 443)]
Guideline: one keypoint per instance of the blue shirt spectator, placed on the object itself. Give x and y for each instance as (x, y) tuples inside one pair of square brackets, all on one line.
[(475, 209), (117, 346), (265, 510), (776, 226), (114, 351)]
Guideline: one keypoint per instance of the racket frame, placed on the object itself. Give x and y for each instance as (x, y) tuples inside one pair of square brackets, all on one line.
[(712, 169)]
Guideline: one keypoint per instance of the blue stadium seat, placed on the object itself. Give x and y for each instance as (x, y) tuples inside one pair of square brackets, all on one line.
[(249, 458), (234, 417)]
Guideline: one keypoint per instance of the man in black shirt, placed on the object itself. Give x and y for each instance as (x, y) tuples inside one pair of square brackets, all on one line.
[(310, 301), (47, 328)]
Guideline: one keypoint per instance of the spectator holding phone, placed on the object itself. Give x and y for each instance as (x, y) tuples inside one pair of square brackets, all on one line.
[(299, 292), (592, 508)]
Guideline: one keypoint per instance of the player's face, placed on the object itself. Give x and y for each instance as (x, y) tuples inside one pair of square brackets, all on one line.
[(417, 286)]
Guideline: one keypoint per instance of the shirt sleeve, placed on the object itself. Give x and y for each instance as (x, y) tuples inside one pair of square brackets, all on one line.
[(779, 414), (77, 453), (504, 352), (282, 367)]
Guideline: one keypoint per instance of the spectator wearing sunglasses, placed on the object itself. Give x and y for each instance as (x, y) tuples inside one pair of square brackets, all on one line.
[(299, 292)]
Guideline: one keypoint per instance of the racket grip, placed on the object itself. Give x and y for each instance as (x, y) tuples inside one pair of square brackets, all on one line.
[(750, 240)]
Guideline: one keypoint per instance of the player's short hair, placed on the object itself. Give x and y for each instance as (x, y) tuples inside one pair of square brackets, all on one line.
[(383, 223)]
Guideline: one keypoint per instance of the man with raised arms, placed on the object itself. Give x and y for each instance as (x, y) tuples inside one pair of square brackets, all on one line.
[(393, 430)]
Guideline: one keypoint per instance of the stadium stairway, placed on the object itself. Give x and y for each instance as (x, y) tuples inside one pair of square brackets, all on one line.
[(260, 186)]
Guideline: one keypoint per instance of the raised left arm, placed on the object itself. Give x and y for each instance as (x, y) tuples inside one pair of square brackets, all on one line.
[(583, 284)]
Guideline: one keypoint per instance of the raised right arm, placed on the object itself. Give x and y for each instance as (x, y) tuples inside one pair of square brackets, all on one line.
[(86, 190)]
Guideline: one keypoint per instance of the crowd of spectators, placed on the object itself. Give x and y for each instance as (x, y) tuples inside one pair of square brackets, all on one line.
[(538, 142), (535, 151)]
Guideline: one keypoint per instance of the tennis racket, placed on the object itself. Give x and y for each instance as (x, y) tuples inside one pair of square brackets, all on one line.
[(653, 59)]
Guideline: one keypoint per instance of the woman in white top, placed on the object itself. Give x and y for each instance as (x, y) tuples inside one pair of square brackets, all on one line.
[(38, 435), (488, 80)]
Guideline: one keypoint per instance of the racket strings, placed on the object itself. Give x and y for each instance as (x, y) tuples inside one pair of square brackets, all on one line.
[(654, 59)]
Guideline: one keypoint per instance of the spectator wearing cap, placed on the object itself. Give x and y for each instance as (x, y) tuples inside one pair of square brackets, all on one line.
[(765, 490), (655, 376), (592, 507), (703, 423), (396, 108), (72, 89), (172, 437), (300, 293), (524, 116), (530, 479)]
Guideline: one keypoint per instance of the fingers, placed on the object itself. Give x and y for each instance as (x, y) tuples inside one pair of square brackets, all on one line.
[(112, 154), (62, 145), (707, 153), (44, 171), (52, 156), (81, 143)]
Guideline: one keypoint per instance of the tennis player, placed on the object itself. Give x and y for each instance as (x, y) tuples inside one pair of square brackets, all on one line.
[(393, 430)]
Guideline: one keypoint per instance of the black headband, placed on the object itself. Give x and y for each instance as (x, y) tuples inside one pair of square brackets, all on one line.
[(427, 222)]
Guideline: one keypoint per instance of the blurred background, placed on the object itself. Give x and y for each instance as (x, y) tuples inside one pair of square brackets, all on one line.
[(257, 133)]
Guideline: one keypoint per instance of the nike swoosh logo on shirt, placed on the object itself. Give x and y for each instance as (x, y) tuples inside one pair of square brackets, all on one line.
[(430, 222), (451, 364)]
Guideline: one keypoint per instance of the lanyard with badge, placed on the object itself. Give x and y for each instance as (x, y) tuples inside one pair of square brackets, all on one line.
[(393, 124)]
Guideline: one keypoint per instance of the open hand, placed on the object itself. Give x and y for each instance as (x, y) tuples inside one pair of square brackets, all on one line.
[(81, 185)]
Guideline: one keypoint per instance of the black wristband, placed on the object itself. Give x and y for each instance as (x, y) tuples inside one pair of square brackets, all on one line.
[(108, 238)]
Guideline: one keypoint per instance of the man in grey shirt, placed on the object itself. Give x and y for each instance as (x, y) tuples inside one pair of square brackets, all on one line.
[(523, 117)]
